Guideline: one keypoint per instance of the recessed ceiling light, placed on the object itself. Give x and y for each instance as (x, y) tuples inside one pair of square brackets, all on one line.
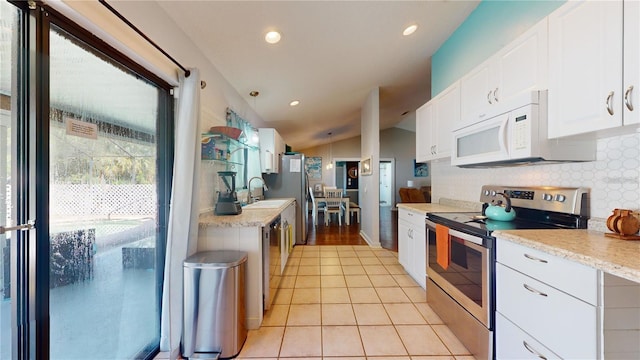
[(294, 103), (410, 30), (272, 37)]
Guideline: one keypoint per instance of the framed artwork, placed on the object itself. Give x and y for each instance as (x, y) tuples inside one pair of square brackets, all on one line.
[(313, 167), (420, 169), (365, 166)]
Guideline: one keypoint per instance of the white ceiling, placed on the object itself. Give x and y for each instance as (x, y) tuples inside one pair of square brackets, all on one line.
[(331, 55)]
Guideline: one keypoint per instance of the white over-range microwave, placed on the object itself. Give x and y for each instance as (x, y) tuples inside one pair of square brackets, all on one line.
[(516, 135)]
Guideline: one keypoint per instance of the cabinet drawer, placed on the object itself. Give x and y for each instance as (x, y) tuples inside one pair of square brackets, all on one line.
[(564, 324), (576, 279), (414, 218), (513, 343)]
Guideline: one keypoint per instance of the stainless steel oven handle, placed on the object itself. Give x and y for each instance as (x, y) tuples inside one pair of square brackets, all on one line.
[(474, 239), (531, 350)]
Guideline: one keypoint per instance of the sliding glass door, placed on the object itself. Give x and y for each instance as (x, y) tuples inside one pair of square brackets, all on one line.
[(8, 19), (102, 205), (86, 147)]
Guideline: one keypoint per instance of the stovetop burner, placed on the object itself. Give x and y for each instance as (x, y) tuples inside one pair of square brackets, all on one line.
[(473, 223), (536, 208)]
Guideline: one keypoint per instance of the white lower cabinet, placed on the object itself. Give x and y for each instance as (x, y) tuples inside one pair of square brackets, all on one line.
[(549, 300), (513, 343), (412, 245), (288, 231)]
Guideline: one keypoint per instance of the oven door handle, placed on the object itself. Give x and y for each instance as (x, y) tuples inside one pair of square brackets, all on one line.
[(474, 239)]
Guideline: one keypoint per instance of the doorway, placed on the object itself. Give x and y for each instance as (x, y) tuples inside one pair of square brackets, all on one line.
[(387, 195)]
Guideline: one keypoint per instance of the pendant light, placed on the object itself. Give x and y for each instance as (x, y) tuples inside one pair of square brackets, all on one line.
[(330, 163)]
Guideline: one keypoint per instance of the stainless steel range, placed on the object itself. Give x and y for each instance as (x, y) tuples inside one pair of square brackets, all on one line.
[(461, 253)]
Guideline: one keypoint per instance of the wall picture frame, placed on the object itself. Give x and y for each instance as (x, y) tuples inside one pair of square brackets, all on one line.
[(313, 167), (366, 167), (420, 169)]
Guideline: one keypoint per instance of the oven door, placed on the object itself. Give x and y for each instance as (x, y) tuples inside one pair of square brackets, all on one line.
[(468, 278)]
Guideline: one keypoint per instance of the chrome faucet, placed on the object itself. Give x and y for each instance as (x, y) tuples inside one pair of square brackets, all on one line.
[(264, 187)]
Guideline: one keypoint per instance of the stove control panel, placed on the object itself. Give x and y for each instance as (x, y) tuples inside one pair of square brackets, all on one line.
[(565, 200)]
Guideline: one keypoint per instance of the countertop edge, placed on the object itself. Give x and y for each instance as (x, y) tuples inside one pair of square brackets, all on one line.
[(586, 247), (248, 217)]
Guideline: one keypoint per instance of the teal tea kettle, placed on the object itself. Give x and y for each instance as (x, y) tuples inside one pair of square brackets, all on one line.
[(500, 211)]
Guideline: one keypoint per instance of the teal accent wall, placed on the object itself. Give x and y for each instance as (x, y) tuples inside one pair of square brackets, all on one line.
[(491, 26)]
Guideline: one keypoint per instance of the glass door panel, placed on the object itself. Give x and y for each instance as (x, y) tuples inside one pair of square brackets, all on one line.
[(8, 34), (104, 299)]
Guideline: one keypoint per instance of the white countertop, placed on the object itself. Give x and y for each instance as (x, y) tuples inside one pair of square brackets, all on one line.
[(588, 247), (248, 217)]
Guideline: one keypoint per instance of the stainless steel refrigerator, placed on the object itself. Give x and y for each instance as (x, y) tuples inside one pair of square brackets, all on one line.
[(291, 182)]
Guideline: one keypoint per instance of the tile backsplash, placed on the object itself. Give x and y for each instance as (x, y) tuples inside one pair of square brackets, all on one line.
[(613, 179)]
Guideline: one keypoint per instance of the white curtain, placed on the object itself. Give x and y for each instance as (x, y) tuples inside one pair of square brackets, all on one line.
[(183, 216)]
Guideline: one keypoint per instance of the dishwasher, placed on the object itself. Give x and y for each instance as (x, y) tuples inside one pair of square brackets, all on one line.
[(271, 261)]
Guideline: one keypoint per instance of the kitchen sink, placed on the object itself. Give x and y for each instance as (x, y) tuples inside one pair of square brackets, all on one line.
[(266, 204)]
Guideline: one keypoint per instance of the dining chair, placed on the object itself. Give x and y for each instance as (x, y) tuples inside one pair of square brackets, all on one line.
[(320, 205), (328, 188), (333, 199)]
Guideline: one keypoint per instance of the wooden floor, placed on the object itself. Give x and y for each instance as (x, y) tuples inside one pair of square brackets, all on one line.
[(334, 234)]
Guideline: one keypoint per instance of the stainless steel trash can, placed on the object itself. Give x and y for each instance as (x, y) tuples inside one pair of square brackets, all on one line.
[(214, 304)]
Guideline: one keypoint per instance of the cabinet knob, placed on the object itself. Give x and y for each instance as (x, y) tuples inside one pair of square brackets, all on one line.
[(489, 97), (495, 94)]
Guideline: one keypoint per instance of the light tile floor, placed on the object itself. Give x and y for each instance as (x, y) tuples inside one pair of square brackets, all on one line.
[(350, 302)]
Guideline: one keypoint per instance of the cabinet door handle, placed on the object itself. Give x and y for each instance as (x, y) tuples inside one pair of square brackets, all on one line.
[(495, 94), (534, 290), (489, 97), (627, 98), (609, 105), (533, 351), (535, 258)]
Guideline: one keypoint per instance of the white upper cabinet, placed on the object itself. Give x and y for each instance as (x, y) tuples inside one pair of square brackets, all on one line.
[(586, 88), (271, 147), (424, 119), (516, 69), (631, 71), (434, 123)]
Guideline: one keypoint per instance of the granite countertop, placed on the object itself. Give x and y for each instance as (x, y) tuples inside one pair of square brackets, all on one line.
[(248, 218), (588, 247), (424, 208), (444, 205)]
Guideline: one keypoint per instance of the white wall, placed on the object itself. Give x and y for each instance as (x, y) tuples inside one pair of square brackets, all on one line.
[(369, 194), (613, 179)]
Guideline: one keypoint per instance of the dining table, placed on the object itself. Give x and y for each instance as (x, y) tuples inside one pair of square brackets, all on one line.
[(345, 203)]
